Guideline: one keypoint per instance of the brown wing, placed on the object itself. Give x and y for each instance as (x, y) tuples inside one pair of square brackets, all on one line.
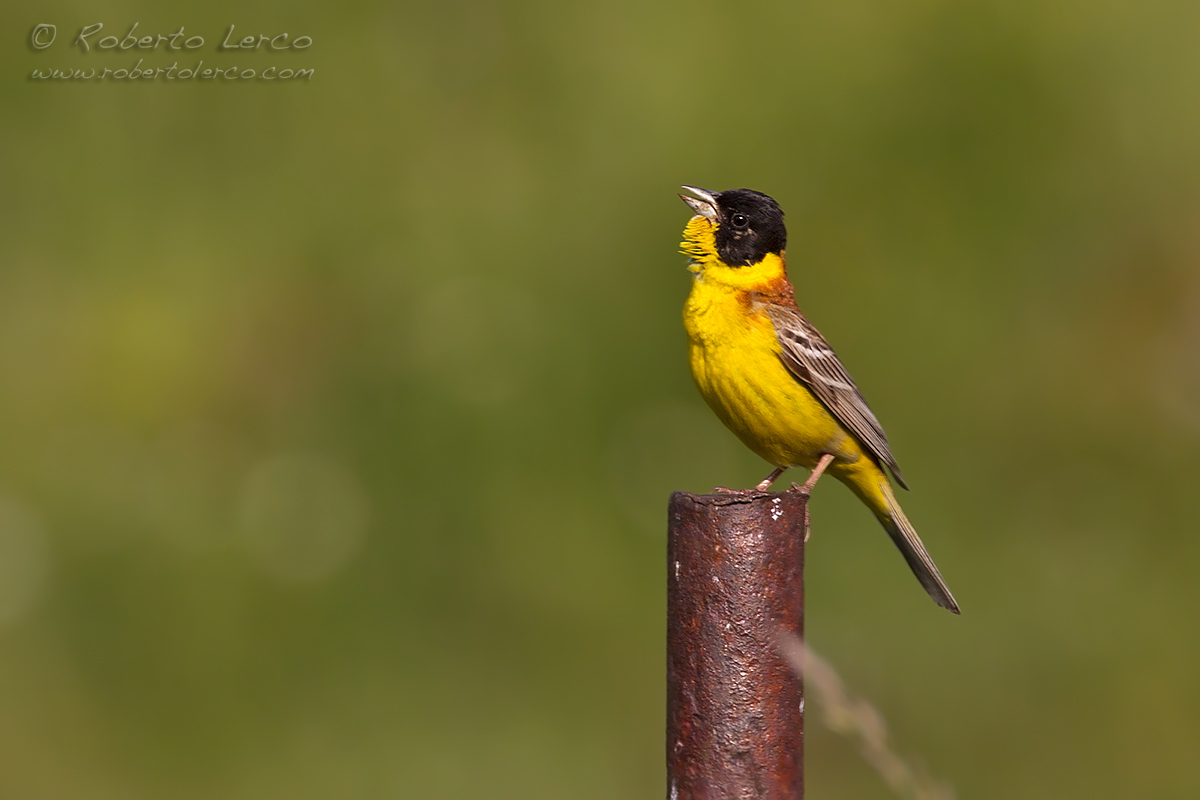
[(810, 360)]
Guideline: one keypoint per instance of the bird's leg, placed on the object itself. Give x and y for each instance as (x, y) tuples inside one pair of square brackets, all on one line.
[(767, 481), (761, 487), (806, 489)]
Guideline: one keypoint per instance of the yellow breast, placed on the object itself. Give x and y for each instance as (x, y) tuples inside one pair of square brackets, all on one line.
[(734, 357)]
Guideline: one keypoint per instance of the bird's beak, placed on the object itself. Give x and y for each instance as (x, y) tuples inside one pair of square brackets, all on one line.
[(704, 203)]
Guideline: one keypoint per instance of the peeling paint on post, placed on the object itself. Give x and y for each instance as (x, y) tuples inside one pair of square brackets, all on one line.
[(735, 578)]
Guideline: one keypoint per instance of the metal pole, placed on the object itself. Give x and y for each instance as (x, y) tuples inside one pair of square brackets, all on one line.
[(735, 578)]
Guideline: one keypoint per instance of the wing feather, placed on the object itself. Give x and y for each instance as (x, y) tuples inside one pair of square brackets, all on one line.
[(810, 360)]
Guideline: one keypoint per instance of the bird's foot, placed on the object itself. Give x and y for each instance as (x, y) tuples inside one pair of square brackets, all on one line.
[(806, 489), (762, 486)]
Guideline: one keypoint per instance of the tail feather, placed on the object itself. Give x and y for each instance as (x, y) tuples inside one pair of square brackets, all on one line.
[(914, 552)]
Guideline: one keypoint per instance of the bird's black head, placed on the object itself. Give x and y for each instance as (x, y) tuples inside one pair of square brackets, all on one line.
[(749, 224)]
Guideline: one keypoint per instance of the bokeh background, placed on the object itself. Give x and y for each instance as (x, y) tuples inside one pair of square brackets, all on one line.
[(338, 417)]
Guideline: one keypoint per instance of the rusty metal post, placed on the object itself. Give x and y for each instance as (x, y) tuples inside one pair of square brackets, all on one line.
[(735, 578)]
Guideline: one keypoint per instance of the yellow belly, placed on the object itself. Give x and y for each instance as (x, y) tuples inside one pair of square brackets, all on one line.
[(735, 362)]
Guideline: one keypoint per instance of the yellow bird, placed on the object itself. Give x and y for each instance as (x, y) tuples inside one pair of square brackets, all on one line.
[(770, 375)]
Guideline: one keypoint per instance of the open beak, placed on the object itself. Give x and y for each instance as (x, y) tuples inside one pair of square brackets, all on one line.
[(704, 203)]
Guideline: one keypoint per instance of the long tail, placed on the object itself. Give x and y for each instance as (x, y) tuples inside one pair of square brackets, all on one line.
[(913, 549), (866, 479)]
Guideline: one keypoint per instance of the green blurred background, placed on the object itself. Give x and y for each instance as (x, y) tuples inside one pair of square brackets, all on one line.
[(338, 417)]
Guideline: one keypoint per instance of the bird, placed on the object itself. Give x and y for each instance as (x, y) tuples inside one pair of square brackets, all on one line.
[(770, 375)]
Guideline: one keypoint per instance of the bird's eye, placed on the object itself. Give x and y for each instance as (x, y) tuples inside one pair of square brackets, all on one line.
[(739, 221)]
